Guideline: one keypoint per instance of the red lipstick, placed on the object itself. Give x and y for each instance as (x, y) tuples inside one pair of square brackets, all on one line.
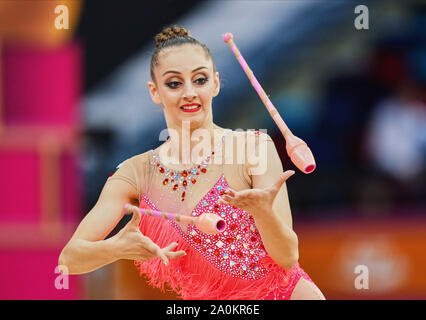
[(190, 105)]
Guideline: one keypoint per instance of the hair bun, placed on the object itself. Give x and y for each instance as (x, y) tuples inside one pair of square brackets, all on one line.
[(170, 32)]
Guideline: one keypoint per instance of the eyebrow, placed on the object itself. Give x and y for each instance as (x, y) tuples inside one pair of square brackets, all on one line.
[(171, 71)]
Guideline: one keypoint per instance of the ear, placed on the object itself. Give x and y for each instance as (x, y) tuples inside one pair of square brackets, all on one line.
[(216, 84), (153, 91)]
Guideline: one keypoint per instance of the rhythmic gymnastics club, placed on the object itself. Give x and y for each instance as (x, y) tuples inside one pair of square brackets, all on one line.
[(297, 149), (206, 222)]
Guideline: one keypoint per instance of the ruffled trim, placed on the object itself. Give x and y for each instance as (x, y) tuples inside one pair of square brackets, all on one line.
[(194, 277)]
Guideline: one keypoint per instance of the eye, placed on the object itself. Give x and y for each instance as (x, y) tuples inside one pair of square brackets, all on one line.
[(201, 81), (173, 84)]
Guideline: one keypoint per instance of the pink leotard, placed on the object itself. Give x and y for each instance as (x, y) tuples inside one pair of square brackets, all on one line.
[(230, 265)]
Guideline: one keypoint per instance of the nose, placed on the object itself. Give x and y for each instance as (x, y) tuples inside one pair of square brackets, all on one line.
[(189, 93)]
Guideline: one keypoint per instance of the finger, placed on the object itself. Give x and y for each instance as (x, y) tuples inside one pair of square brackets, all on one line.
[(225, 199), (136, 217), (282, 178), (171, 246), (230, 192), (162, 256), (175, 254)]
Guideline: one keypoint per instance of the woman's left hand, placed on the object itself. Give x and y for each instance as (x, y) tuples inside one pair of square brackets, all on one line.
[(255, 201)]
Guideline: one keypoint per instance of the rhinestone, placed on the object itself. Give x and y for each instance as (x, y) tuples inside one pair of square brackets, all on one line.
[(225, 256), (232, 247), (219, 244), (223, 214), (245, 245), (234, 215), (161, 170), (244, 267), (208, 240), (193, 232), (231, 263)]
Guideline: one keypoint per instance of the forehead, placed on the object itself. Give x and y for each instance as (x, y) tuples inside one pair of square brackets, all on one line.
[(182, 58)]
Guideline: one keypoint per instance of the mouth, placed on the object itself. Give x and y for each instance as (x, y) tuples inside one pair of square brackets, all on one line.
[(193, 107)]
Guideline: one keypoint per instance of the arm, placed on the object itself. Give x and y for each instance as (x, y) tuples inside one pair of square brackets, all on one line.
[(268, 203), (275, 223), (87, 250)]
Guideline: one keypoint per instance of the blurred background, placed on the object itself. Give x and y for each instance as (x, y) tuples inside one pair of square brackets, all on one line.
[(74, 103)]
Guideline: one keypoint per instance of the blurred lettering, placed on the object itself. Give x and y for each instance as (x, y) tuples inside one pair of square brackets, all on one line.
[(361, 21), (62, 21), (61, 281), (361, 281)]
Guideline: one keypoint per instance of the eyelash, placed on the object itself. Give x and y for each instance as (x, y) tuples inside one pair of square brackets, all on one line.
[(171, 86)]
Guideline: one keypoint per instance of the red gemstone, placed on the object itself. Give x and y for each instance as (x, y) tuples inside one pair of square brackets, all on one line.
[(213, 152), (165, 181), (203, 170), (183, 194), (196, 240), (253, 239), (184, 173), (175, 187), (162, 170), (197, 173), (193, 180), (158, 164), (216, 253), (239, 254), (216, 237), (184, 183), (216, 207), (230, 240), (233, 227)]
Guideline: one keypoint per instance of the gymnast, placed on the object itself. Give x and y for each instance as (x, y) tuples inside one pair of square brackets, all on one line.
[(255, 256)]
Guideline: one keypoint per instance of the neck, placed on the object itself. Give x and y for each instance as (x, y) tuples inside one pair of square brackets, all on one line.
[(189, 146)]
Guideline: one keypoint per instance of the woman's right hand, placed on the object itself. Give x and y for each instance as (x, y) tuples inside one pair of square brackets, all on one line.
[(132, 244)]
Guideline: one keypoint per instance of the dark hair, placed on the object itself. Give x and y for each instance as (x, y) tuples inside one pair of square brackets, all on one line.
[(174, 36)]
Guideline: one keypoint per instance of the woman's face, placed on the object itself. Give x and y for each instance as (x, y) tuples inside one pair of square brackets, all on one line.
[(185, 84)]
